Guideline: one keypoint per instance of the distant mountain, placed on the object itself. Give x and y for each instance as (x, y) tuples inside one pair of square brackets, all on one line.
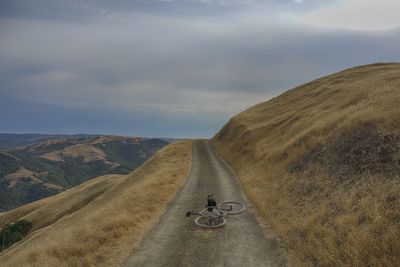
[(172, 140), (46, 168), (8, 140)]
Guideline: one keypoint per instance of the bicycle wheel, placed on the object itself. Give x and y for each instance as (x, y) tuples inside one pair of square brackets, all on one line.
[(232, 207), (210, 222)]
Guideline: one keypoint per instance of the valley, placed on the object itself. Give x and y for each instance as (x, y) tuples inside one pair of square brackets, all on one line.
[(48, 167)]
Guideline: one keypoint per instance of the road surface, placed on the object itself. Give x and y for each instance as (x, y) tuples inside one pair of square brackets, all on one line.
[(177, 241)]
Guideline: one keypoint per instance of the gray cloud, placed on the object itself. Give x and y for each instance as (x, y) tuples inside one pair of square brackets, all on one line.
[(89, 9), (375, 15), (161, 75)]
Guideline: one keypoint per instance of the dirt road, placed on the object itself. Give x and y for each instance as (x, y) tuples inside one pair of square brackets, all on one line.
[(177, 241)]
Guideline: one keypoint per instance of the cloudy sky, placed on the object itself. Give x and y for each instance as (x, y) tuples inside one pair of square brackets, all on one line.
[(174, 68)]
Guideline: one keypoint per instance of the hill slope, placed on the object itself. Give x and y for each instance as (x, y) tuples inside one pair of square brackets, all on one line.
[(49, 167), (99, 222), (321, 163), (9, 141)]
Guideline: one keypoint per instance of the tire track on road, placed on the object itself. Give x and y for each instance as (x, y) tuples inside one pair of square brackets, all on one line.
[(177, 241)]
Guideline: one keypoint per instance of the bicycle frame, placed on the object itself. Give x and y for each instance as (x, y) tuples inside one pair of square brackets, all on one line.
[(214, 218)]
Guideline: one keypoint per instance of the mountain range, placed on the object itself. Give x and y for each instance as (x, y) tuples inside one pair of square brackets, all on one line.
[(9, 140), (52, 165)]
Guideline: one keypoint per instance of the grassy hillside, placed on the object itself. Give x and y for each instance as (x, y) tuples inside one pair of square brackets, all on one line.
[(321, 164), (99, 222), (49, 167)]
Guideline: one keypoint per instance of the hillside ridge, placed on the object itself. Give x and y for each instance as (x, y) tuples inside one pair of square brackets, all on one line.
[(38, 170), (99, 222), (321, 164)]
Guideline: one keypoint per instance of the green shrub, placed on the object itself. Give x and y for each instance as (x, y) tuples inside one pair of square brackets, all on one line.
[(14, 232)]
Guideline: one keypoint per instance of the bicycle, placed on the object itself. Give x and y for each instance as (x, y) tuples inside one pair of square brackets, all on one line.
[(213, 216)]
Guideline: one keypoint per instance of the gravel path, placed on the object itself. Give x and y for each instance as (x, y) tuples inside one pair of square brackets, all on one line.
[(177, 241)]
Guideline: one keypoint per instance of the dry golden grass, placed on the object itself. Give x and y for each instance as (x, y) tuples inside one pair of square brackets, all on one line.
[(87, 151), (321, 164), (100, 222), (13, 178)]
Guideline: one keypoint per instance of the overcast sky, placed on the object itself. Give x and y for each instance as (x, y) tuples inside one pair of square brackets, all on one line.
[(174, 68)]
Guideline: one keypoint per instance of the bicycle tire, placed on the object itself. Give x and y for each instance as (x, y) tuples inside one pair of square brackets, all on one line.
[(235, 207), (210, 222)]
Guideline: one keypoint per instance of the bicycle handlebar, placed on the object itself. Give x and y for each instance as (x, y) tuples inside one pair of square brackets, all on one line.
[(189, 213)]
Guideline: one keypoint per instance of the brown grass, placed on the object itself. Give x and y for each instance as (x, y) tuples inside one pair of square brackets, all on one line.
[(87, 151), (13, 178), (321, 163), (100, 222)]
